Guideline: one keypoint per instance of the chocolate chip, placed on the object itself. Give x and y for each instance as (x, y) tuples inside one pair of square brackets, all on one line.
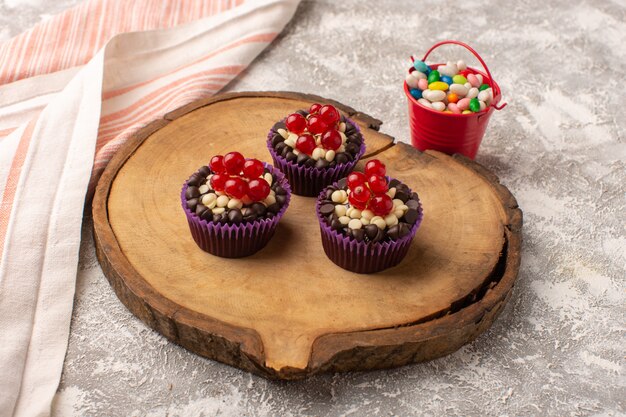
[(341, 158), (277, 139), (393, 183), (414, 196), (321, 163), (259, 209), (279, 190), (413, 204), (217, 218), (280, 199), (393, 232), (272, 209), (291, 157), (336, 225), (204, 171), (247, 211), (332, 164), (343, 118), (195, 180), (405, 229), (352, 148), (279, 125), (380, 235), (235, 216), (279, 147), (192, 192), (371, 230), (402, 195), (285, 151), (310, 163), (302, 158), (349, 156), (342, 183), (358, 234), (200, 208), (327, 209), (411, 216), (303, 112), (207, 215), (191, 204)]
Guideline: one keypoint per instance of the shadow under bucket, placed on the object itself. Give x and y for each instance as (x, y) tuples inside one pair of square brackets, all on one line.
[(449, 132)]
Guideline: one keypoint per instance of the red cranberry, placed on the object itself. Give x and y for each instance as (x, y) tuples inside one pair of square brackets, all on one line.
[(361, 193), (378, 184), (217, 164), (355, 179), (315, 107), (361, 205), (329, 114), (258, 189), (306, 144), (331, 140), (375, 167), (236, 187), (381, 205), (296, 123), (218, 181), (253, 168), (317, 125), (233, 161)]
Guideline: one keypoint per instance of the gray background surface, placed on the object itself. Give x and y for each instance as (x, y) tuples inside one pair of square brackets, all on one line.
[(558, 347)]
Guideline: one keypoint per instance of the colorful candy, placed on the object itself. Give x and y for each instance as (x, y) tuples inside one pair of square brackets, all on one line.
[(451, 88)]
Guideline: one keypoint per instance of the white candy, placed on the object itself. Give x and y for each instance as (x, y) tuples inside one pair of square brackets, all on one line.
[(222, 201), (473, 92), (269, 200), (461, 65), (391, 220), (203, 189), (482, 104), (355, 224), (379, 222), (283, 133), (234, 203), (468, 85), (439, 105), (342, 127), (318, 153), (425, 102), (411, 81), (419, 75), (459, 89), (218, 210), (330, 155), (391, 192), (449, 69), (435, 95), (480, 78), (209, 199), (340, 210), (344, 220), (367, 214), (355, 214)]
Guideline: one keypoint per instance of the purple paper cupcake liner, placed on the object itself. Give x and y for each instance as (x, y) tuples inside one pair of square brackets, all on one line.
[(363, 257), (235, 240), (309, 181)]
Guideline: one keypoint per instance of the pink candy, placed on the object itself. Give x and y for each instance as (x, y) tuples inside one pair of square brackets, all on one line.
[(463, 104), (454, 108), (422, 84), (473, 80)]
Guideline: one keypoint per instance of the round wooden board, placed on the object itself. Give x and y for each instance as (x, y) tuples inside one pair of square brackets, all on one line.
[(288, 312)]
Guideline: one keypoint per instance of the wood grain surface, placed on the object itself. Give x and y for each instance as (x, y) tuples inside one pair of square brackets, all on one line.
[(287, 311)]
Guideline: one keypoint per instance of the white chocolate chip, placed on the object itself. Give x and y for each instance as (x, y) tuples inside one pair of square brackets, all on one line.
[(336, 196), (398, 213), (269, 200), (349, 211), (290, 143), (207, 199), (220, 193), (391, 220), (208, 178), (234, 203), (367, 214), (318, 153), (355, 224), (272, 192), (340, 210), (218, 210), (330, 155), (391, 192), (318, 140), (397, 202), (344, 138), (297, 152), (403, 207), (344, 195), (379, 222), (355, 214), (344, 220), (342, 127), (203, 189), (222, 201), (341, 149), (283, 133), (365, 221), (268, 177)]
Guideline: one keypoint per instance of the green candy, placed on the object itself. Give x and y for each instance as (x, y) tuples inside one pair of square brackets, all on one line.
[(459, 79), (483, 87), (433, 77), (474, 105)]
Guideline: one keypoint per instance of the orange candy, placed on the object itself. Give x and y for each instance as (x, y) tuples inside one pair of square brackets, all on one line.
[(452, 98)]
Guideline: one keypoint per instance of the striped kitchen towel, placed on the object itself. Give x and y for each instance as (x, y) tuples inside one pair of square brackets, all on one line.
[(72, 90)]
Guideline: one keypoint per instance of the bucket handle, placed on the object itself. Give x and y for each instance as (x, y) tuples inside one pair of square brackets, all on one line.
[(469, 48)]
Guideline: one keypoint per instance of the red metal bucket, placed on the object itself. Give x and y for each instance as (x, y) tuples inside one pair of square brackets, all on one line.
[(450, 132)]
